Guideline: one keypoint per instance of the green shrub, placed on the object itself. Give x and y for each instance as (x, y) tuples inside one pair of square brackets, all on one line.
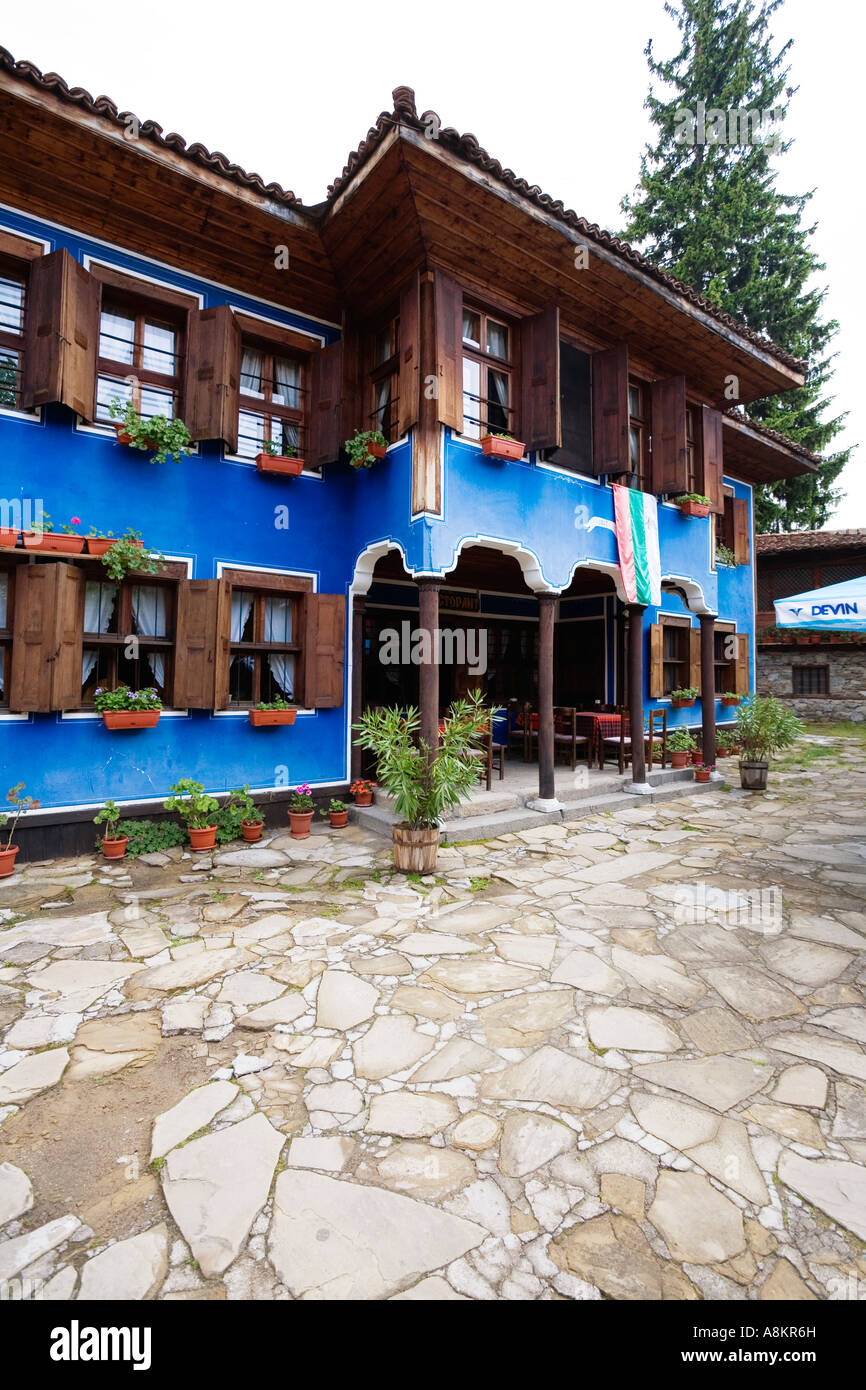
[(150, 837)]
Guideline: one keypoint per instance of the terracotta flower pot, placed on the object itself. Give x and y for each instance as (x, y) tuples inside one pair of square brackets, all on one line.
[(277, 463), (49, 540), (130, 718), (299, 822), (97, 545), (377, 450), (679, 757), (252, 830), (695, 508), (730, 703), (261, 718), (8, 539), (122, 436), (415, 851), (682, 704), (702, 774), (363, 798), (338, 819), (497, 448), (116, 848), (695, 755), (202, 838), (7, 861)]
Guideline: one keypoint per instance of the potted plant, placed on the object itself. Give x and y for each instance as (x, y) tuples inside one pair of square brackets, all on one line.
[(338, 811), (693, 504), (120, 557), (113, 845), (128, 709), (277, 712), (301, 808), (21, 805), (764, 727), (241, 805), (730, 699), (424, 781), (156, 435), (362, 790), (725, 556), (685, 698), (703, 770), (726, 743), (270, 460), (498, 445), (8, 537), (365, 447), (197, 809), (66, 541), (680, 743)]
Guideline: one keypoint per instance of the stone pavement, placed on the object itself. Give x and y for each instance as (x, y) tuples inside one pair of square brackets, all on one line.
[(619, 1058)]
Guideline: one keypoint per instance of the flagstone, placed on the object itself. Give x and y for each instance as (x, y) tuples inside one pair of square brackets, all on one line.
[(699, 942), (196, 1110), (522, 1020), (752, 993), (422, 1171), (184, 1015), (191, 970), (529, 1141), (787, 1121), (826, 930), (252, 859), (728, 1156), (472, 978), (837, 1187), (16, 1193), (343, 1000), (36, 1073), (850, 1120), (267, 928), (248, 987), (410, 1114), (283, 1010), (129, 1270), (390, 1045), (806, 962), (338, 1098), (715, 1030), (632, 1030), (698, 1224), (801, 1085), (24, 1250), (106, 1045), (307, 1052), (589, 972), (216, 1186), (434, 1289), (459, 1057), (472, 919), (843, 1057), (612, 1253), (785, 1285), (720, 1082), (623, 866), (426, 1003), (476, 1131), (674, 1121), (72, 986), (660, 975), (554, 1076), (36, 1030), (437, 943), (78, 930), (524, 950), (329, 1153), (331, 1239), (142, 942), (849, 1021), (389, 963)]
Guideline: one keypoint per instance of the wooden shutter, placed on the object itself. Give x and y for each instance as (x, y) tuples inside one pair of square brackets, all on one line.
[(326, 395), (742, 684), (195, 644), (47, 638), (540, 413), (61, 335), (352, 404), (324, 650), (711, 439), (739, 528), (213, 366), (669, 466), (223, 644), (695, 657), (448, 316), (410, 355), (610, 410), (656, 661)]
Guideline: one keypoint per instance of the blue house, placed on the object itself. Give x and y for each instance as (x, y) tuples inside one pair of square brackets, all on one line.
[(433, 296)]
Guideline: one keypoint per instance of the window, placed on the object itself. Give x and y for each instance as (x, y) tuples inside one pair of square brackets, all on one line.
[(810, 680), (694, 461), (271, 401), (128, 637), (676, 635), (6, 596), (264, 647), (639, 434), (139, 356), (385, 380), (487, 368), (725, 659), (12, 297)]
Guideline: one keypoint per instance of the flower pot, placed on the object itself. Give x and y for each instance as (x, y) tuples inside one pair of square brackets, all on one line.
[(202, 838), (682, 704), (753, 774), (415, 851), (7, 861), (276, 463), (363, 798), (694, 508), (115, 848), (679, 757), (260, 718), (730, 703), (496, 448), (299, 822), (702, 774), (48, 540), (8, 539), (130, 718), (97, 545), (122, 436), (377, 450), (252, 830), (695, 756), (338, 819)]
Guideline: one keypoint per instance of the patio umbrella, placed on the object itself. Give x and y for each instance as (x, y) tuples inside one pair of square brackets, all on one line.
[(836, 608)]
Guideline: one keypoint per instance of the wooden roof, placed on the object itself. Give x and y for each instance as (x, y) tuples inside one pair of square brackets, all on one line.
[(761, 455)]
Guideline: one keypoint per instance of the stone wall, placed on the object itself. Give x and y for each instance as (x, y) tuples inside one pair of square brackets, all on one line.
[(847, 679)]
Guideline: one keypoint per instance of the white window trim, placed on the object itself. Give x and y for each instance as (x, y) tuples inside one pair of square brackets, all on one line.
[(223, 565)]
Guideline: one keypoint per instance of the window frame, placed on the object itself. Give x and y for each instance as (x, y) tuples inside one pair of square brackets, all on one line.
[(642, 425), (694, 449), (682, 662), (509, 367), (823, 669), (11, 267), (724, 671), (264, 405), (113, 642), (384, 369), (7, 634), (264, 585), (141, 306)]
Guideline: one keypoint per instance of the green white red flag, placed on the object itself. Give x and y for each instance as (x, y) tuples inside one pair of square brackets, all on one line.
[(637, 537)]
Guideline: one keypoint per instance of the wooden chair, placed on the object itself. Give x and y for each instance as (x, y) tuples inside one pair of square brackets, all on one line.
[(566, 736), (655, 735), (657, 730), (618, 745)]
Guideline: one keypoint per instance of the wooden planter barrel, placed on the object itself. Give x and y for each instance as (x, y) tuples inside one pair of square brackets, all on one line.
[(415, 851), (753, 774)]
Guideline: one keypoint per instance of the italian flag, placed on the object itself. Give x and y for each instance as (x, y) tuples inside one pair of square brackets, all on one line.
[(637, 537)]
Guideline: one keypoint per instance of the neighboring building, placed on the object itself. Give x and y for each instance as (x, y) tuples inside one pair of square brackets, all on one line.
[(822, 675), (433, 294)]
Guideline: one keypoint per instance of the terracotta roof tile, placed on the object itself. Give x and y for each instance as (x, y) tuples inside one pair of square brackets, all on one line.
[(773, 435), (774, 543)]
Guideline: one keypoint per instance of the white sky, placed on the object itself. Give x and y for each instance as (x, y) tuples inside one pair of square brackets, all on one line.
[(288, 91)]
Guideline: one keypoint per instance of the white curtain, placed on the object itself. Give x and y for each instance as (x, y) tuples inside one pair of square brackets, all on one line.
[(383, 405), (497, 396), (242, 604), (251, 372), (99, 604), (149, 618), (278, 628), (287, 381)]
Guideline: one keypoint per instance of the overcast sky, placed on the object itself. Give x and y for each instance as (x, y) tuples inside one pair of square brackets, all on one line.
[(553, 90)]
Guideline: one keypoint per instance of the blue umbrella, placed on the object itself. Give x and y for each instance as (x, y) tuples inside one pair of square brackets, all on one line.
[(836, 608)]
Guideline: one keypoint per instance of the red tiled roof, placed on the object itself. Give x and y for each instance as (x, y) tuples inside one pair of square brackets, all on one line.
[(775, 543), (773, 435)]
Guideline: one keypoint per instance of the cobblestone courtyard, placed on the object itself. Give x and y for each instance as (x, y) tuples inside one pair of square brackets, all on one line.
[(619, 1058)]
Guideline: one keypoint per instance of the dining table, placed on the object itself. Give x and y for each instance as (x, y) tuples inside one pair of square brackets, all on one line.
[(597, 725)]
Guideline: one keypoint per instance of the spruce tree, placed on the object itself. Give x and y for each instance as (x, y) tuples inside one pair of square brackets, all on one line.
[(711, 214)]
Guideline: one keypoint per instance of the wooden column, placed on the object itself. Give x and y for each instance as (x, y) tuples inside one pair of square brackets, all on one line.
[(708, 688), (428, 675), (359, 608), (546, 613), (635, 691)]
